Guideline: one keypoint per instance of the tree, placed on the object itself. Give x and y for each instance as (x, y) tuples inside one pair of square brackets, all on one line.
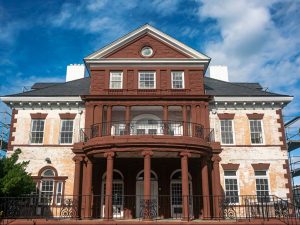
[(14, 180)]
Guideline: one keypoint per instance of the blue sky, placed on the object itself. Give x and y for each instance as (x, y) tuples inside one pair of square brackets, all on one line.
[(258, 40)]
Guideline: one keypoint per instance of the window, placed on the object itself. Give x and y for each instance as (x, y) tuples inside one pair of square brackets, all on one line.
[(116, 80), (47, 187), (231, 186), (262, 186), (226, 132), (66, 132), (256, 132), (147, 80), (178, 80), (37, 131), (50, 186)]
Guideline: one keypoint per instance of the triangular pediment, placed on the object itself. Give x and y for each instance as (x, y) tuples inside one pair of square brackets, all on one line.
[(130, 45)]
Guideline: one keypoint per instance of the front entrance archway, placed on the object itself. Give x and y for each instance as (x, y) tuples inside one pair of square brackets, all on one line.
[(140, 193)]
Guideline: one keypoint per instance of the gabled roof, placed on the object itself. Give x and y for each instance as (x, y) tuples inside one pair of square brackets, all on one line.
[(213, 87), (141, 31)]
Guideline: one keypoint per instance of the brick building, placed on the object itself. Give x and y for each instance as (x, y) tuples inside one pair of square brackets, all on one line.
[(148, 135)]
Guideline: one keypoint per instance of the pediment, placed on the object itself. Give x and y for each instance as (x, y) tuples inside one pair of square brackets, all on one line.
[(130, 45)]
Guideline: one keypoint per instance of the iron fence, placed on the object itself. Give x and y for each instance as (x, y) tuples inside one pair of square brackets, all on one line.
[(148, 127), (115, 207)]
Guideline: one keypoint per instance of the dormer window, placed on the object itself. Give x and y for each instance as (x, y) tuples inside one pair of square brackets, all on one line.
[(177, 80), (116, 80)]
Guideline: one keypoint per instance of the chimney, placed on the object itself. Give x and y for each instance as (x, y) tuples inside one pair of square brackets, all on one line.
[(219, 73), (75, 72)]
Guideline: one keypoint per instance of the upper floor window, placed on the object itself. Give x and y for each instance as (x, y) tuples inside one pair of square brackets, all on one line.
[(116, 80), (147, 80), (262, 185), (37, 131), (177, 80), (256, 131), (66, 132), (231, 186), (226, 131)]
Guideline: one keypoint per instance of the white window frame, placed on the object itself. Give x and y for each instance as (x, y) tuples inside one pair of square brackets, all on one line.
[(262, 132), (110, 79), (59, 194), (263, 177), (172, 79), (233, 133), (30, 138), (61, 123), (237, 180), (154, 73)]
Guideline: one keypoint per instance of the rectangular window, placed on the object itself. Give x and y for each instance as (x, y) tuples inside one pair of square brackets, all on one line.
[(226, 132), (262, 186), (231, 186), (37, 131), (256, 132), (59, 191), (177, 80), (147, 80), (46, 193), (66, 132), (116, 80)]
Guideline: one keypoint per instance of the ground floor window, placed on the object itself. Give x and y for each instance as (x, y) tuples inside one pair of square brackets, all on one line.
[(231, 186), (262, 186)]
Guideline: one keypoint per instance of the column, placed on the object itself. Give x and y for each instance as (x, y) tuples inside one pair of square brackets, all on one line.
[(108, 214), (165, 118), (217, 193), (147, 184), (185, 185), (108, 122), (205, 189), (127, 119), (88, 184), (185, 120)]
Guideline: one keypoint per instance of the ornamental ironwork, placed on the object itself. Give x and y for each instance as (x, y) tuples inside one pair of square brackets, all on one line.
[(148, 208)]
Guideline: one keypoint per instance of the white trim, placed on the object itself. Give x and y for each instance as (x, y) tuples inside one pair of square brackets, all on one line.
[(142, 171), (237, 180), (153, 31), (267, 176), (40, 99), (183, 81), (233, 133), (254, 99), (154, 73), (262, 131), (146, 61), (30, 136), (110, 75)]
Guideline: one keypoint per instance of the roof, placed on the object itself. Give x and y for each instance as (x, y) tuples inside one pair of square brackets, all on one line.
[(141, 31), (212, 86)]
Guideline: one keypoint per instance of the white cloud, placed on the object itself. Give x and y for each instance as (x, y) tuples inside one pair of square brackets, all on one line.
[(258, 42)]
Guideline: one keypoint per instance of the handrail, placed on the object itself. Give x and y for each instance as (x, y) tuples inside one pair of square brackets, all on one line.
[(147, 127)]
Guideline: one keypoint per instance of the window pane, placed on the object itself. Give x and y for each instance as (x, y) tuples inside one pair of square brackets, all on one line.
[(231, 187), (262, 186), (146, 80), (226, 132), (37, 131), (66, 132), (256, 132), (177, 80), (115, 80)]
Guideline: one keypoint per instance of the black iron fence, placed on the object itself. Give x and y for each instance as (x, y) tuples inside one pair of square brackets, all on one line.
[(160, 207), (147, 127)]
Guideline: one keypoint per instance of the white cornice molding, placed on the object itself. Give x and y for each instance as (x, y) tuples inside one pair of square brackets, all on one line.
[(147, 61), (285, 99), (153, 31), (40, 99)]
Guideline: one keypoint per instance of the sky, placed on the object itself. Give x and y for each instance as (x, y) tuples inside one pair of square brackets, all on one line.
[(258, 40)]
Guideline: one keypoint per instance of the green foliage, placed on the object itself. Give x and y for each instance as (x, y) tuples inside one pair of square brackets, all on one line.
[(14, 180)]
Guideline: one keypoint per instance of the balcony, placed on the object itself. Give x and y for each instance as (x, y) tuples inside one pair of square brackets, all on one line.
[(148, 128)]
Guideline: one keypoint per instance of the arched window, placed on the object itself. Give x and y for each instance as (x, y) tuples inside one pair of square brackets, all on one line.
[(176, 194), (50, 186), (117, 193)]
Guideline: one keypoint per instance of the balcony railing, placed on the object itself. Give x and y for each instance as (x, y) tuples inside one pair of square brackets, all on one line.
[(147, 127), (158, 207)]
